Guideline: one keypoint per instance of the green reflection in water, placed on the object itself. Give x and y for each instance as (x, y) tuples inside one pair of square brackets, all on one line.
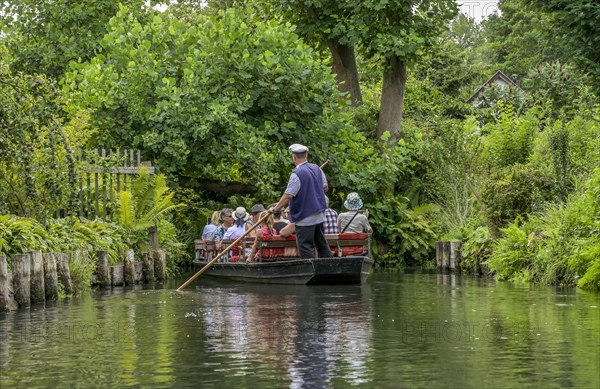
[(399, 330)]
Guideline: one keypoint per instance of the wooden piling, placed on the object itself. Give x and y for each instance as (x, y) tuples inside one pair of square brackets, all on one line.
[(103, 276), (138, 268), (439, 248), (64, 274), (160, 264), (116, 275), (50, 276), (455, 256), (153, 237), (21, 270), (446, 257), (129, 271), (7, 302), (148, 267), (38, 291)]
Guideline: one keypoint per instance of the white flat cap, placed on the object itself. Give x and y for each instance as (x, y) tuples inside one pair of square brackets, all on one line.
[(297, 148)]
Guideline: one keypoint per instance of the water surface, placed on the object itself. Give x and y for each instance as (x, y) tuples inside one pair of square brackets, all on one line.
[(399, 330)]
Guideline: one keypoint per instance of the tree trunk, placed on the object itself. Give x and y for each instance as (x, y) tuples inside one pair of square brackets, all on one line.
[(392, 99), (346, 72)]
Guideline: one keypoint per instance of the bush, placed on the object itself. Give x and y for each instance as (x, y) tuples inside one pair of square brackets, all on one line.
[(559, 246), (408, 231), (515, 191)]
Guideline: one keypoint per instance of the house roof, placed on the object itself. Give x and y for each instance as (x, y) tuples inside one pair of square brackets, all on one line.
[(498, 76)]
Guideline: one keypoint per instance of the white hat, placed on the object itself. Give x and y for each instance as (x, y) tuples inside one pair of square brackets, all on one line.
[(297, 148), (240, 213)]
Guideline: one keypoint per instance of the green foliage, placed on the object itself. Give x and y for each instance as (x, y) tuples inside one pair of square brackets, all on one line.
[(44, 36), (71, 234), (568, 150), (510, 140), (576, 22), (452, 66), (476, 246), (38, 165), (408, 231), (20, 235), (519, 38), (147, 205), (455, 172), (515, 191), (560, 85), (213, 100), (559, 246)]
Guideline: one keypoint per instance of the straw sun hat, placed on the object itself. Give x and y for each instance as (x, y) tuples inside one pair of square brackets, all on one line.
[(240, 213)]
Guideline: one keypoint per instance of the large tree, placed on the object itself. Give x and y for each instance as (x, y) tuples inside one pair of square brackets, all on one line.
[(218, 101), (398, 32)]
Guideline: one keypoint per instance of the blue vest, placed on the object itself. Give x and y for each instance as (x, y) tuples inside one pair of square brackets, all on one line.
[(311, 197)]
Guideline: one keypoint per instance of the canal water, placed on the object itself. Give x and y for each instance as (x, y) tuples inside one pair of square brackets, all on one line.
[(400, 330)]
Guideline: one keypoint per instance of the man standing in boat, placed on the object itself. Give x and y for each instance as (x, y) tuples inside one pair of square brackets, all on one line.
[(305, 193)]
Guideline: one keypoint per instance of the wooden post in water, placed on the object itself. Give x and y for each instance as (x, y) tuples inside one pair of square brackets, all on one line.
[(64, 274), (160, 264), (103, 276), (50, 276), (439, 248), (116, 275), (148, 267), (129, 271), (38, 291), (455, 256), (21, 270), (7, 302), (446, 257)]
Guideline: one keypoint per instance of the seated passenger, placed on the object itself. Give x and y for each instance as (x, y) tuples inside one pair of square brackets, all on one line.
[(254, 218), (240, 216), (285, 215), (353, 221), (330, 225), (211, 227), (266, 229), (278, 223), (226, 221)]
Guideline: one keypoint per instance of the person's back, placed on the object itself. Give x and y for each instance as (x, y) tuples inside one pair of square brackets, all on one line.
[(330, 225), (353, 222)]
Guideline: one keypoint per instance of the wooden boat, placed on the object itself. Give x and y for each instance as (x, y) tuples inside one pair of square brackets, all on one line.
[(278, 262)]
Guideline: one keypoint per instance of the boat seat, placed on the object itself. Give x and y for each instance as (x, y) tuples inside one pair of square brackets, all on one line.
[(276, 247)]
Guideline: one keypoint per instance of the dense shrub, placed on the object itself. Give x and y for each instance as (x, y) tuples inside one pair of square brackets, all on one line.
[(558, 246), (512, 192)]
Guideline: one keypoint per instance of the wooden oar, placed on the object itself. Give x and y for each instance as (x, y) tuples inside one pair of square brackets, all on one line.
[(215, 259)]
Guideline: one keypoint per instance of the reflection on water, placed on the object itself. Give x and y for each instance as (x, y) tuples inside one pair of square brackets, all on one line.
[(399, 330), (311, 333)]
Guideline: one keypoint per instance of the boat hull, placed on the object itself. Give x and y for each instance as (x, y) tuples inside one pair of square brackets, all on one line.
[(314, 271)]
